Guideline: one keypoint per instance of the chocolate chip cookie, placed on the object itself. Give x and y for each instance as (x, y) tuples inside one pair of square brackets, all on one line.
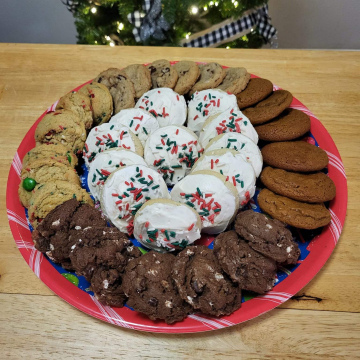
[(269, 108), (188, 72), (268, 237), (140, 77), (292, 212), (201, 282), (163, 74), (295, 156), (312, 188), (246, 267), (211, 76), (235, 81), (256, 90), (150, 288)]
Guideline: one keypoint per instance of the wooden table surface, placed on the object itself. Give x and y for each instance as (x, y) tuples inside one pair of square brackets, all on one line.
[(36, 324)]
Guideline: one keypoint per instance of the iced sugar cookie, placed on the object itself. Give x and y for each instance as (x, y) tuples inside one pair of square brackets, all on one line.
[(215, 199), (206, 103), (241, 143), (109, 136), (230, 120), (139, 121), (166, 225), (233, 165), (126, 190), (172, 151), (168, 107), (106, 163)]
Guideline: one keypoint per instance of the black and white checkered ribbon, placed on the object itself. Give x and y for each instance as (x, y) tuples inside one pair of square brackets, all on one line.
[(259, 17)]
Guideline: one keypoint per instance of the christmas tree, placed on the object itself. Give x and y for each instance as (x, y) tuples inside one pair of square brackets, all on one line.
[(221, 23)]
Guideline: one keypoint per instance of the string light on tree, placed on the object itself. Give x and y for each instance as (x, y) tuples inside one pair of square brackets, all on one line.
[(194, 10), (112, 44), (205, 8), (120, 26), (93, 10), (236, 4), (216, 3)]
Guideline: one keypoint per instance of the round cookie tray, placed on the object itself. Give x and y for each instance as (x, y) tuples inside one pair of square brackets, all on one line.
[(316, 247)]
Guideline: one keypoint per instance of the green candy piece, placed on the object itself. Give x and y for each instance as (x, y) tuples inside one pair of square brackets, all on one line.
[(69, 158), (72, 278), (29, 184)]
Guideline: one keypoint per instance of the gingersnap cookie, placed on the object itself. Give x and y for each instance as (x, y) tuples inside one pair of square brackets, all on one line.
[(267, 236), (52, 234), (229, 120), (215, 199), (61, 127), (201, 282), (312, 188), (151, 290), (140, 77), (42, 171), (168, 107), (269, 108), (56, 152), (126, 190), (139, 121), (256, 90), (205, 103), (101, 102), (211, 76), (188, 72), (110, 136), (163, 75), (100, 247), (246, 267), (172, 151), (241, 143), (120, 86), (295, 156), (289, 125), (79, 104), (49, 195), (234, 167), (106, 163), (235, 80), (292, 212)]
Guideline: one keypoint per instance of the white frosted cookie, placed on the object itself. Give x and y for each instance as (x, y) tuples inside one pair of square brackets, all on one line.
[(139, 121), (172, 151), (106, 163), (241, 143), (166, 225), (233, 165), (126, 190), (206, 103), (108, 136), (168, 107), (215, 199), (229, 120)]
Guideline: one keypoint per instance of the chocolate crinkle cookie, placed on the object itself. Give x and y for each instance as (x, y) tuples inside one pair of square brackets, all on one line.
[(52, 234), (100, 246), (268, 237), (151, 290), (201, 282), (245, 266)]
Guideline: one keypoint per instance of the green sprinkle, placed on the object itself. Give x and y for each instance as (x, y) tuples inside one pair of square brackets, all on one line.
[(155, 187), (126, 194), (159, 147), (232, 140), (221, 172), (111, 127), (190, 203), (110, 162), (199, 192), (145, 131), (131, 123)]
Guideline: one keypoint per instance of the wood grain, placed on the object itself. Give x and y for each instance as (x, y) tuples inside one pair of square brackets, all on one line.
[(32, 318)]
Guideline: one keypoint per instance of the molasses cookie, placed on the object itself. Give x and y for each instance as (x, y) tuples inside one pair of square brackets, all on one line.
[(201, 282), (150, 288), (292, 212), (235, 81), (211, 76), (295, 156), (290, 125), (188, 72), (256, 90), (269, 108), (163, 75), (140, 77), (246, 267)]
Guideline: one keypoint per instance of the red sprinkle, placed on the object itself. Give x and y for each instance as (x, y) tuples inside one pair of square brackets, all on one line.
[(177, 132), (234, 180), (190, 227), (137, 127), (147, 224)]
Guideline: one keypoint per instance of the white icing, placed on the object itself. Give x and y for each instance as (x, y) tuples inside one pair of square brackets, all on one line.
[(139, 121), (206, 103), (236, 169), (230, 120), (172, 225), (241, 143), (213, 190), (168, 159), (107, 136), (166, 105), (120, 182), (106, 163)]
